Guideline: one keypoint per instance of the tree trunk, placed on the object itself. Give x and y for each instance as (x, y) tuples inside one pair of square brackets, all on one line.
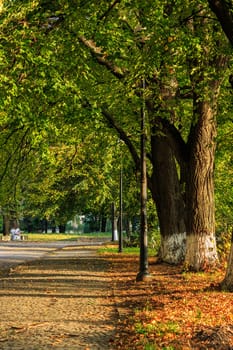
[(227, 283), (143, 273), (45, 228), (128, 227), (62, 228), (114, 223), (6, 225), (201, 252), (103, 223), (166, 192)]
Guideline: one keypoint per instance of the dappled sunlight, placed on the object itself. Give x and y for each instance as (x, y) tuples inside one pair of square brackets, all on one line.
[(64, 299)]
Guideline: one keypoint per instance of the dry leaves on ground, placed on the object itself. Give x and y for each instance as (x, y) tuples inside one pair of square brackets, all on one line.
[(172, 310)]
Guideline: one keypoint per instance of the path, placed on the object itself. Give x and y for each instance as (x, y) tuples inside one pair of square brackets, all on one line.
[(16, 252), (62, 301)]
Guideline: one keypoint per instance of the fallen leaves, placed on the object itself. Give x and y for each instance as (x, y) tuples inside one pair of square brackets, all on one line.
[(173, 311)]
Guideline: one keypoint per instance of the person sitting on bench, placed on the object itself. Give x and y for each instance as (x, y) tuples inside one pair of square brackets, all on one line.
[(15, 234)]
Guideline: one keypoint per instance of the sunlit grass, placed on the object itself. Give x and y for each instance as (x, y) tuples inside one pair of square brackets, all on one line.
[(113, 249), (51, 237), (109, 249)]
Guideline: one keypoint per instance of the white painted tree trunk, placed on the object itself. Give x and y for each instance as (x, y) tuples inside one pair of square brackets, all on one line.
[(167, 195), (201, 252), (115, 235), (172, 248), (114, 223)]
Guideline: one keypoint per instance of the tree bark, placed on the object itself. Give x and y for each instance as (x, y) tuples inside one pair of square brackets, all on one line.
[(6, 225), (166, 192), (201, 252), (128, 227)]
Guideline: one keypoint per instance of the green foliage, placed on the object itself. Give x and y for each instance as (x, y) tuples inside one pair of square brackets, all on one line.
[(150, 347), (144, 329), (224, 244), (154, 239), (59, 155), (223, 172)]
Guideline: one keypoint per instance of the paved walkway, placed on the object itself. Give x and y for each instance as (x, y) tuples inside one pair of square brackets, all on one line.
[(61, 301), (16, 252)]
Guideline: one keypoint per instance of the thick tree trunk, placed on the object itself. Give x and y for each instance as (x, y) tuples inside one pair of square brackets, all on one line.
[(166, 192), (201, 252)]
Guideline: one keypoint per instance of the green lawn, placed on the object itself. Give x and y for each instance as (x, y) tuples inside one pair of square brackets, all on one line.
[(109, 249), (51, 237)]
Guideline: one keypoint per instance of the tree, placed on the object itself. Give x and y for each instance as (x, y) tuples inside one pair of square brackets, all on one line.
[(204, 67), (52, 116), (174, 47), (16, 161)]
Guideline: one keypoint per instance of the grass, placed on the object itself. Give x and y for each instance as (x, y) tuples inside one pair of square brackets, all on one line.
[(51, 237), (113, 249)]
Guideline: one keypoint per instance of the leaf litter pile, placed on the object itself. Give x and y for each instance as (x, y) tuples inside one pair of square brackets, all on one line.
[(172, 309)]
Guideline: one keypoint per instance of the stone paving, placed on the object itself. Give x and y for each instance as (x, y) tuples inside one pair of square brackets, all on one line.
[(61, 301)]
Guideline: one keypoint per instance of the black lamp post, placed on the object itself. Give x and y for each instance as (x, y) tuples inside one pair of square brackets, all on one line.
[(121, 211), (143, 271)]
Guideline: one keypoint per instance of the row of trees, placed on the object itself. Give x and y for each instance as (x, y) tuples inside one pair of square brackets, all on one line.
[(71, 88)]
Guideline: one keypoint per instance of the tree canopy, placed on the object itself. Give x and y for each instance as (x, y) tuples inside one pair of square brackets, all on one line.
[(71, 87)]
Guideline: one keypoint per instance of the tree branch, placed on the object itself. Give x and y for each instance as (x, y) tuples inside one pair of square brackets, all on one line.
[(13, 153), (177, 142), (223, 10), (11, 132), (123, 136), (102, 57), (105, 14)]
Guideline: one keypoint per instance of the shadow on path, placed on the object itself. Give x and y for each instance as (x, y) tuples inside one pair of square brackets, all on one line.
[(62, 301)]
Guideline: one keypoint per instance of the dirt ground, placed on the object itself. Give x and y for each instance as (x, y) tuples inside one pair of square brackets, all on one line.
[(76, 299)]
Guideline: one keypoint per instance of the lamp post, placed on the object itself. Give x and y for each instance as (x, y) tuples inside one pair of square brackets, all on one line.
[(143, 270), (121, 211)]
